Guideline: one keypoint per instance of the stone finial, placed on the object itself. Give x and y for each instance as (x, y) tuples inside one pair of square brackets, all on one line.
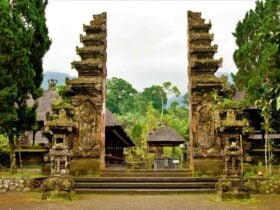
[(52, 84)]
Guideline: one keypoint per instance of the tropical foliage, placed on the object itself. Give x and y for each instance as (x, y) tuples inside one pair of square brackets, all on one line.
[(142, 112), (258, 61), (23, 42)]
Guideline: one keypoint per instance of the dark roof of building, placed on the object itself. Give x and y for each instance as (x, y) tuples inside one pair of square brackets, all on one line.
[(165, 136), (113, 124), (45, 103), (239, 95), (111, 119)]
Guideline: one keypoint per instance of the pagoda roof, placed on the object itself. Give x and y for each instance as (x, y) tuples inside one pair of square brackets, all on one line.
[(201, 36), (94, 28), (90, 50), (93, 37), (206, 80), (165, 136), (197, 49), (198, 26), (206, 63), (85, 64)]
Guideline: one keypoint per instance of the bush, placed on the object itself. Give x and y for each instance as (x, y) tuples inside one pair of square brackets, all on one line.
[(4, 152)]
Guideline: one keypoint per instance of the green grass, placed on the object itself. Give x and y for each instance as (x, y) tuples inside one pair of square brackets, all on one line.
[(22, 175)]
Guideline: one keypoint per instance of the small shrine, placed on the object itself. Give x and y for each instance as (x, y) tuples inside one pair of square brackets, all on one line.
[(231, 127), (162, 137), (59, 129)]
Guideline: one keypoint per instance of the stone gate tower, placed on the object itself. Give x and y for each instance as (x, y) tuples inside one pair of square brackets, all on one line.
[(204, 146), (88, 97)]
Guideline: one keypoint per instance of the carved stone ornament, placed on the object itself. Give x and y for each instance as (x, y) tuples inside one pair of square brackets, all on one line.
[(205, 131), (87, 112), (87, 126)]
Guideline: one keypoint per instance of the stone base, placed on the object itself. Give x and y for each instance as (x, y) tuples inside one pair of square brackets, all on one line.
[(56, 195), (208, 166), (85, 166), (234, 195)]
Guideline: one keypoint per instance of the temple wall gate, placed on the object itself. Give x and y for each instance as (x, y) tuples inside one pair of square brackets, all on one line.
[(88, 97), (204, 147)]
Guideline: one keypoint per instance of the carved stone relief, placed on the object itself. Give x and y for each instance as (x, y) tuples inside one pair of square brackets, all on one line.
[(205, 134), (87, 126)]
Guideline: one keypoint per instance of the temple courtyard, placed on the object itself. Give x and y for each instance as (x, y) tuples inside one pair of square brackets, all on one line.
[(14, 201)]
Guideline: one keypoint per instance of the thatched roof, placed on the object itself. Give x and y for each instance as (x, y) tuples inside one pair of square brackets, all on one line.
[(45, 103), (239, 95), (114, 125), (165, 136), (111, 120)]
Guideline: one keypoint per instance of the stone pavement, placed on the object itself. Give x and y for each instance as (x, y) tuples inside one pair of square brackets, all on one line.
[(24, 201)]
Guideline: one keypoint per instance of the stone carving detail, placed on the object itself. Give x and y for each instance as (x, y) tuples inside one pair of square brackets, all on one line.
[(87, 126), (88, 113), (205, 134), (88, 92), (202, 81)]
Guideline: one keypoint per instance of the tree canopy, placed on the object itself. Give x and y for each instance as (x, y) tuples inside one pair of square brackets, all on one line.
[(120, 96), (23, 42), (258, 61), (141, 112), (258, 55)]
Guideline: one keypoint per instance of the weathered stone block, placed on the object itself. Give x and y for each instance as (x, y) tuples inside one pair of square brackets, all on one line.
[(85, 166), (208, 166), (26, 189), (234, 195)]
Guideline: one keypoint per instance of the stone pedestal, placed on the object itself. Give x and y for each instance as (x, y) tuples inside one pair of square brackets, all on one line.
[(58, 188), (233, 188)]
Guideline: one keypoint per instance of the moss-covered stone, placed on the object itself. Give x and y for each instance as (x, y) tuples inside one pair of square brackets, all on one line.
[(85, 166)]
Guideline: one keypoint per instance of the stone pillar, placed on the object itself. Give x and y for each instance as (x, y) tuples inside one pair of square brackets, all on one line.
[(88, 98), (203, 155)]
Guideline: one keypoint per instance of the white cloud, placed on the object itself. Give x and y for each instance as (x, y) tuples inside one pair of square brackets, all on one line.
[(147, 41)]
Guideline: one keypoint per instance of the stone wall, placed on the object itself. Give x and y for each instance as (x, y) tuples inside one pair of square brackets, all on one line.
[(15, 184), (262, 185)]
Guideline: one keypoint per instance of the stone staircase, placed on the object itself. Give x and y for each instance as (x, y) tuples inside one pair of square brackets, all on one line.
[(145, 182)]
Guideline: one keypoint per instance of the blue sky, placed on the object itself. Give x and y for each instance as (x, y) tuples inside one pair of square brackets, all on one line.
[(147, 40)]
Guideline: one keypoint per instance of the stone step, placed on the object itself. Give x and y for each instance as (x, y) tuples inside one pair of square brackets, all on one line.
[(146, 179), (149, 185), (142, 191), (117, 170), (145, 174)]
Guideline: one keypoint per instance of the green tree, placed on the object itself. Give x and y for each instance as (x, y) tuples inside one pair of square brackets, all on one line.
[(177, 117), (22, 32), (258, 55), (157, 95), (153, 94), (258, 60), (121, 96)]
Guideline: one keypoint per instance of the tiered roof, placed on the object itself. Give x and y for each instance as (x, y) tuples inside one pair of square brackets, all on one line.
[(201, 51), (93, 52)]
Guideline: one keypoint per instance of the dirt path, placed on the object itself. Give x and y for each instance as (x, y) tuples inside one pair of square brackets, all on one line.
[(24, 201)]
